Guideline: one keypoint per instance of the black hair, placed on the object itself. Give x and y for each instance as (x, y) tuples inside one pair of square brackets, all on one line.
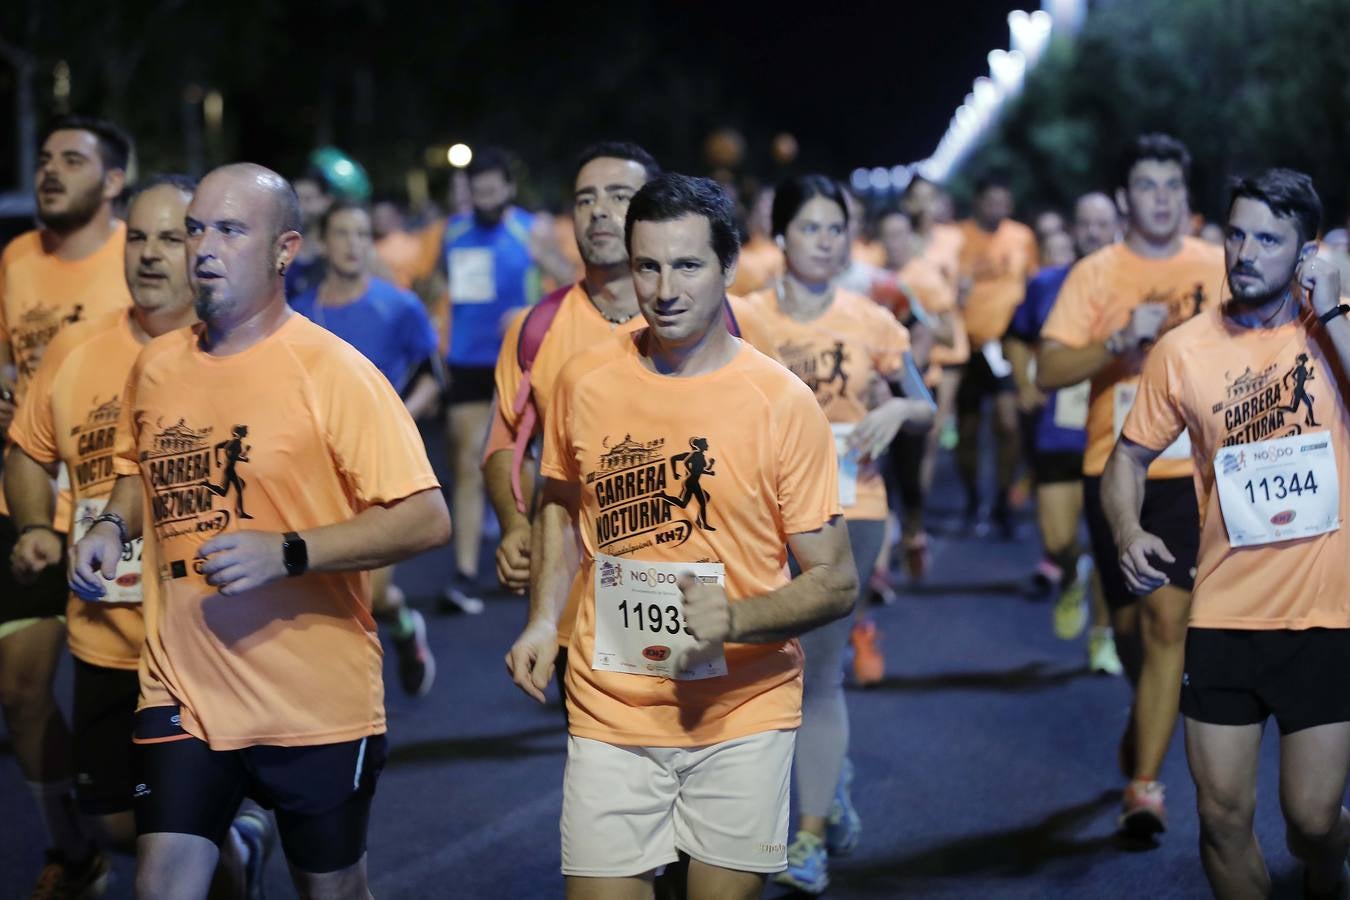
[(1155, 146), (491, 159), (338, 206), (185, 183), (1289, 194), (991, 180), (316, 175), (669, 196), (794, 193), (114, 144), (619, 150)]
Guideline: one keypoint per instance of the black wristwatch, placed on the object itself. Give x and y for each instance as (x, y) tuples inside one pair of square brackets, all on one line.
[(294, 554), (1332, 313)]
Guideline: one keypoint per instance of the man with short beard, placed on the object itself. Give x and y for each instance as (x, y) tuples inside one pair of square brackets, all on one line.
[(67, 270), (262, 671), (1259, 385)]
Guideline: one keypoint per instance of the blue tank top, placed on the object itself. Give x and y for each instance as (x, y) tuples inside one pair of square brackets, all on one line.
[(490, 271)]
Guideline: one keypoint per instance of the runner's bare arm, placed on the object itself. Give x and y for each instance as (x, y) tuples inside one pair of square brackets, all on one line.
[(1321, 282), (529, 662), (1020, 354), (1058, 366), (513, 550), (825, 590), (1123, 500), (94, 559), (379, 535), (28, 488)]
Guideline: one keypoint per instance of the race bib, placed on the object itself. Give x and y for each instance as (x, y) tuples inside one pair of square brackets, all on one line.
[(1071, 406), (639, 620), (1278, 490), (1124, 400), (993, 355), (126, 587), (848, 464), (472, 275)]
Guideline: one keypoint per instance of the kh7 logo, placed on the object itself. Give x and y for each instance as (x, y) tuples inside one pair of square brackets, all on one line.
[(1283, 518), (656, 653)]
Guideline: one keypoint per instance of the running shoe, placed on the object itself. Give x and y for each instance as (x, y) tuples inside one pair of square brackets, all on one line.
[(1142, 811), (1102, 658), (808, 865), (869, 664), (1071, 611), (879, 590), (1046, 577), (256, 834), (948, 435), (457, 597), (916, 556), (843, 825), (61, 880), (416, 663)]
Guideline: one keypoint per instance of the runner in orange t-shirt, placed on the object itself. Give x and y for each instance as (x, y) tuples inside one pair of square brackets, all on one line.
[(275, 465), (600, 306), (66, 271), (1114, 304), (690, 490), (1260, 389), (844, 347), (922, 298), (69, 417), (761, 261), (998, 255)]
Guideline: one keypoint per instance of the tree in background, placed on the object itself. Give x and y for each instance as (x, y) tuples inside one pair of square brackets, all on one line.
[(1245, 83)]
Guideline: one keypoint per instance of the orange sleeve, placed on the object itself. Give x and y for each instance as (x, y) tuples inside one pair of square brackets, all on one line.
[(507, 375), (429, 251), (558, 461), (373, 440), (1155, 420), (1071, 318), (808, 469), (34, 429), (753, 330)]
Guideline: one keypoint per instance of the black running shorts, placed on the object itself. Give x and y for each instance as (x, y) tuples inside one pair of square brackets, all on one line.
[(105, 709), (1236, 677), (1170, 511), (321, 794)]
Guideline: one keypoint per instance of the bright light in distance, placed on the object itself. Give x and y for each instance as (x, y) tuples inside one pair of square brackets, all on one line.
[(881, 179), (860, 180), (459, 155), (900, 177)]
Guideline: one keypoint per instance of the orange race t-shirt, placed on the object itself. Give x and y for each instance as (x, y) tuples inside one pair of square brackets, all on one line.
[(998, 264), (1096, 300), (839, 356), (720, 467), (577, 326), (1232, 387), (40, 294), (760, 264), (70, 416), (296, 432), (942, 249)]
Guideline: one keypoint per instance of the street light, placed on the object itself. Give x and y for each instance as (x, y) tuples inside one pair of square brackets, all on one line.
[(459, 155)]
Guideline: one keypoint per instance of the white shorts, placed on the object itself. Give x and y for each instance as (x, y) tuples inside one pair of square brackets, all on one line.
[(628, 810)]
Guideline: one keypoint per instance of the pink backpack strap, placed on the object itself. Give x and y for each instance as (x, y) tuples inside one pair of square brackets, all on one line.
[(532, 332)]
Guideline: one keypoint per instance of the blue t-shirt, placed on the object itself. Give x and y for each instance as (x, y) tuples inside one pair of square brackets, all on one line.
[(1026, 325), (490, 271), (389, 325)]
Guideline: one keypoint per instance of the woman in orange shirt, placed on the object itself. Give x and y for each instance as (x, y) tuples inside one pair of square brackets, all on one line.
[(847, 349)]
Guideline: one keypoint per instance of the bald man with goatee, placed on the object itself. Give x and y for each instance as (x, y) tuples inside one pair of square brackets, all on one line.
[(270, 466)]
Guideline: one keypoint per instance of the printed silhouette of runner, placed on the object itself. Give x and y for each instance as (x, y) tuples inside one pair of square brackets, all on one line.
[(1302, 373), (697, 463), (235, 452), (75, 314), (837, 357)]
